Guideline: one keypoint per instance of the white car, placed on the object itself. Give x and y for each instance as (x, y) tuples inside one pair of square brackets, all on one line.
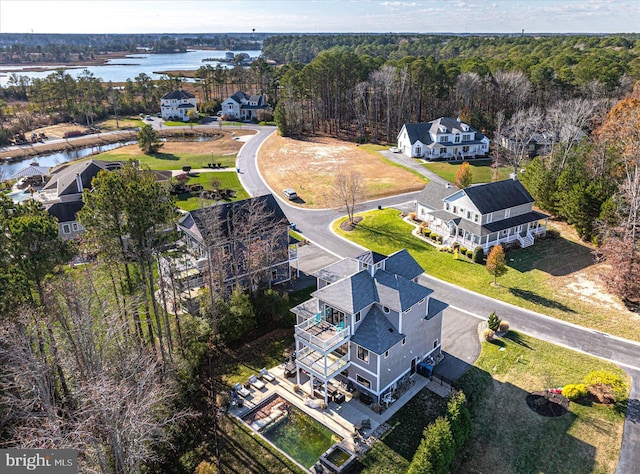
[(394, 149), (290, 194)]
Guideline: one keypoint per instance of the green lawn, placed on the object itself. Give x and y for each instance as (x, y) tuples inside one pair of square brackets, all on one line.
[(480, 170), (393, 453), (226, 179), (586, 439), (533, 280), (169, 161)]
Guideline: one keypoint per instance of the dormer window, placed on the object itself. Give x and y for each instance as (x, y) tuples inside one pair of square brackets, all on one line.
[(385, 309)]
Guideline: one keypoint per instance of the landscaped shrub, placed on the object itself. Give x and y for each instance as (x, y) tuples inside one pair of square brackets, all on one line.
[(459, 419), (456, 245), (426, 233), (503, 327), (412, 216), (478, 255), (206, 467), (494, 322), (439, 239), (463, 250), (575, 391), (436, 451), (488, 335), (470, 254), (607, 384)]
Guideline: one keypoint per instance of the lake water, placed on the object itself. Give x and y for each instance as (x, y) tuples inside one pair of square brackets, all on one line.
[(54, 159), (121, 69)]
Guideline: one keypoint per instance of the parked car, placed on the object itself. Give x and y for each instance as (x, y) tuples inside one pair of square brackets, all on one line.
[(290, 194), (148, 117), (394, 149)]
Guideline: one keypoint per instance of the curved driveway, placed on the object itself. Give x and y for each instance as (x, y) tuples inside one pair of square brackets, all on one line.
[(315, 226)]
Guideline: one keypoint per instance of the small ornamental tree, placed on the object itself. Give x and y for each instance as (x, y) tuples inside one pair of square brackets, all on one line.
[(148, 139), (463, 177), (494, 322), (496, 264)]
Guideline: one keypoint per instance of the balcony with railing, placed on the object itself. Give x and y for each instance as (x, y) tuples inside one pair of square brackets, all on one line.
[(322, 335), (324, 366)]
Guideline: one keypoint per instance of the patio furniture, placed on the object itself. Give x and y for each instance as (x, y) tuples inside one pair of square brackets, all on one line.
[(290, 370), (258, 384), (240, 390), (264, 374)]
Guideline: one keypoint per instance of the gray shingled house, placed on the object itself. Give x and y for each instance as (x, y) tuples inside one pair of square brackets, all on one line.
[(487, 214), (242, 106), (241, 240), (369, 323), (445, 138)]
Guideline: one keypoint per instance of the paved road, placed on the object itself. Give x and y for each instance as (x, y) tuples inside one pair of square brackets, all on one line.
[(467, 306)]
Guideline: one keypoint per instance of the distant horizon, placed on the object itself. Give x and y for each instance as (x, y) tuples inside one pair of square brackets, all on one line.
[(472, 17), (319, 33)]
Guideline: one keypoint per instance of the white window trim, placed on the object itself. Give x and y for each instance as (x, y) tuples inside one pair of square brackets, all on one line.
[(367, 355), (358, 376)]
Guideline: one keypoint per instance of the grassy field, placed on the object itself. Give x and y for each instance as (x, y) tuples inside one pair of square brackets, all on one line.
[(556, 276), (124, 122), (173, 155), (480, 170), (310, 166), (226, 180), (586, 439)]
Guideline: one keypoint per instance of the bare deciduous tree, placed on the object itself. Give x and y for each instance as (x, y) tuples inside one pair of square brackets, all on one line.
[(348, 190), (522, 128)]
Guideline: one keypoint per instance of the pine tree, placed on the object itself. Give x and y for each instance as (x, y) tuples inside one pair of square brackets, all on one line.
[(494, 322), (496, 264)]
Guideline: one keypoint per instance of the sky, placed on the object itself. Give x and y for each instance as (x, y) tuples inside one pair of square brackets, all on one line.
[(319, 16)]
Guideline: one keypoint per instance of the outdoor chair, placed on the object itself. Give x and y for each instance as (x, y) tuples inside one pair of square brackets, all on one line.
[(258, 384), (264, 374), (240, 390)]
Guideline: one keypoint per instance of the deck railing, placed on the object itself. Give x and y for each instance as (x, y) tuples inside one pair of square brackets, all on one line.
[(324, 343), (322, 365)]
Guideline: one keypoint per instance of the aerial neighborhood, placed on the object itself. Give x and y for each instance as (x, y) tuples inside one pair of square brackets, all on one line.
[(266, 252)]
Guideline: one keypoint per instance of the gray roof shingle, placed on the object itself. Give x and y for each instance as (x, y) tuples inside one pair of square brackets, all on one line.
[(376, 333), (434, 193), (491, 197), (435, 307), (422, 131), (351, 294), (403, 264), (397, 292), (179, 95)]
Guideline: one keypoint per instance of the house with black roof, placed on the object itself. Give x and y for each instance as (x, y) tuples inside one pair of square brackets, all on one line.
[(241, 106), (370, 322), (244, 242), (176, 105), (445, 138), (487, 214)]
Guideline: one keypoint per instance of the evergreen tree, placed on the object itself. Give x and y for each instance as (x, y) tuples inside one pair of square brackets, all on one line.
[(494, 322), (148, 139)]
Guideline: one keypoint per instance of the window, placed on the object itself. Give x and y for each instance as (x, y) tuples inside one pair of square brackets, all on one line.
[(465, 149), (74, 226), (274, 275), (409, 309), (455, 209), (421, 301), (404, 341), (489, 218), (362, 381), (358, 317), (385, 309), (462, 211), (468, 214), (466, 137), (446, 206), (66, 229), (444, 139), (505, 232), (435, 343), (386, 354), (443, 150), (363, 354), (457, 139), (475, 218)]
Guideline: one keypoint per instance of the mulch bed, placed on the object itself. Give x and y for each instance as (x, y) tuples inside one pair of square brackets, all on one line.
[(548, 404), (349, 226)]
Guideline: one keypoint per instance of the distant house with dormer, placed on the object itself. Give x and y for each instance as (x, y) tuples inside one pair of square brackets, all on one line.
[(241, 106), (486, 215), (176, 105), (369, 324), (443, 139)]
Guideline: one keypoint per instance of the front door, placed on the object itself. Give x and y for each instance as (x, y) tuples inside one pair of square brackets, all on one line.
[(413, 366)]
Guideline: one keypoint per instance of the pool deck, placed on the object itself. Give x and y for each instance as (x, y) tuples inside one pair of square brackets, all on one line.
[(340, 418)]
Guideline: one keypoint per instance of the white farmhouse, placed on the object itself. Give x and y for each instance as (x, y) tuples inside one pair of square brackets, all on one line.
[(443, 139), (241, 106), (175, 105)]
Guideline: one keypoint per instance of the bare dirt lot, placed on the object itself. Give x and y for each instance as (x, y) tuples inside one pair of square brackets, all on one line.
[(310, 166)]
